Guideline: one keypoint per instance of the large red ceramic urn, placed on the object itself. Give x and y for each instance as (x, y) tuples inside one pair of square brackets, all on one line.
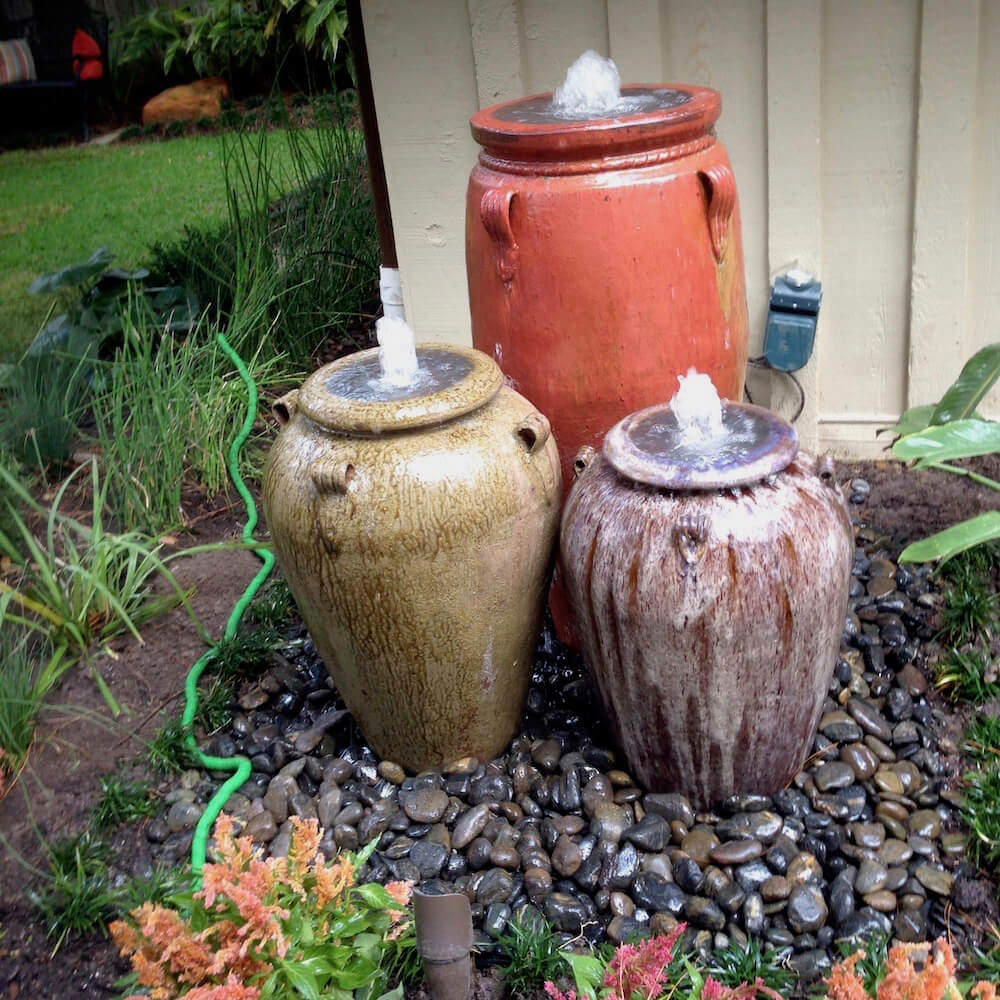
[(605, 256), (709, 588)]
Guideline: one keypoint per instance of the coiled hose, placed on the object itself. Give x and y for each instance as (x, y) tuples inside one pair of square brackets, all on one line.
[(240, 766)]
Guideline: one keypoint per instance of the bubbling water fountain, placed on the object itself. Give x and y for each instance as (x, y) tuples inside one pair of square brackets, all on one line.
[(707, 563)]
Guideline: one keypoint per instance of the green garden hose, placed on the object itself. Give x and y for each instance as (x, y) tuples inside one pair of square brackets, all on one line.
[(239, 765)]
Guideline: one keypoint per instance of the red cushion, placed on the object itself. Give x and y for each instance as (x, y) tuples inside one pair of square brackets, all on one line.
[(84, 46)]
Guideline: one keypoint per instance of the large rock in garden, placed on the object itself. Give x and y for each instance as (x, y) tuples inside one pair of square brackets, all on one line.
[(201, 99)]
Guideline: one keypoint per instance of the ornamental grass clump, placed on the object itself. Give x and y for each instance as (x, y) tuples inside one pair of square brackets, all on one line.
[(276, 928), (934, 980)]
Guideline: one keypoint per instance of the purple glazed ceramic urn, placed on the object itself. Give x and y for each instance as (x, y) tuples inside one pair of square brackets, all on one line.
[(709, 590)]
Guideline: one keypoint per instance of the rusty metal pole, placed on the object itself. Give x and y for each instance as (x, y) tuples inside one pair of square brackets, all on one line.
[(389, 284)]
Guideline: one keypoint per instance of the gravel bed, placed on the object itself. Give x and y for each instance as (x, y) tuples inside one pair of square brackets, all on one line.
[(866, 838)]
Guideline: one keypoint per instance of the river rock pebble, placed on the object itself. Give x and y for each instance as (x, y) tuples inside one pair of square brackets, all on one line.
[(864, 839)]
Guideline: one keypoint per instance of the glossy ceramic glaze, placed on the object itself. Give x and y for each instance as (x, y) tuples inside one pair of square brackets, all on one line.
[(416, 533), (710, 620), (605, 256)]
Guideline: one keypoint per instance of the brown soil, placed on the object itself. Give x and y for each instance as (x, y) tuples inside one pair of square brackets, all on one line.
[(78, 741)]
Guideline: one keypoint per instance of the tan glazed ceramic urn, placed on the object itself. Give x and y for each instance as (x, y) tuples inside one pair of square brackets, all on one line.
[(708, 585), (416, 527)]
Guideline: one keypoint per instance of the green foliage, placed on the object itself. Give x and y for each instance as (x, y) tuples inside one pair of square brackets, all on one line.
[(20, 702), (168, 752), (215, 705), (953, 430), (121, 802), (78, 897), (110, 299), (737, 964), (981, 814), (79, 584), (41, 399), (244, 654), (311, 929), (223, 37), (166, 412), (871, 967), (531, 952), (273, 607), (130, 132), (971, 609), (981, 742), (967, 675), (315, 250), (174, 129)]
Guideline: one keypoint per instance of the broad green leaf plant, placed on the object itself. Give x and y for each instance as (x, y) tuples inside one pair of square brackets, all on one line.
[(936, 435)]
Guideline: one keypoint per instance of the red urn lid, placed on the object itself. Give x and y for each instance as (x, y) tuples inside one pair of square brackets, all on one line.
[(648, 447), (649, 116)]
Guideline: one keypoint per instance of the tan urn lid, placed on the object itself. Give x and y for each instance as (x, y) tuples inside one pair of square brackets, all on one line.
[(351, 396)]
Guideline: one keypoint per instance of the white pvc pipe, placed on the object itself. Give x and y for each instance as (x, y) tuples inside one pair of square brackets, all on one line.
[(391, 291)]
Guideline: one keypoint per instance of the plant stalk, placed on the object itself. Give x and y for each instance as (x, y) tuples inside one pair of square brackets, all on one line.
[(974, 476)]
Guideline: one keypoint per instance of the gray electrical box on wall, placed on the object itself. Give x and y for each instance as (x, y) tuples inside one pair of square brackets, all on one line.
[(791, 320)]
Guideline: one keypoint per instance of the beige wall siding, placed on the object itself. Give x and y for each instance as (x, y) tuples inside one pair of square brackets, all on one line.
[(863, 135)]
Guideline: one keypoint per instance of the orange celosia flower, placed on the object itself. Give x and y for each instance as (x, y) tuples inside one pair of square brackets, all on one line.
[(401, 892), (232, 989), (936, 981), (844, 983), (984, 991), (332, 880)]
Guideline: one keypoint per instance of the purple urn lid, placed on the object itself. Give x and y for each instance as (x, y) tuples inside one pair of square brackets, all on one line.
[(649, 447)]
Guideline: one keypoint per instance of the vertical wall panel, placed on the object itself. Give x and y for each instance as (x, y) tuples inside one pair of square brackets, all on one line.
[(423, 76), (984, 256), (943, 193), (794, 124), (555, 33), (869, 116)]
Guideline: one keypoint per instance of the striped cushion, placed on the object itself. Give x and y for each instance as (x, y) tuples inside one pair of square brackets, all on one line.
[(16, 63)]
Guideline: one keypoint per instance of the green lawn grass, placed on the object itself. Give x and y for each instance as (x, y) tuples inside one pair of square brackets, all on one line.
[(58, 205)]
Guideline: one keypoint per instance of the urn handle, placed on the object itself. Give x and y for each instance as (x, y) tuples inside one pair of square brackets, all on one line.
[(583, 459), (534, 430), (494, 210), (285, 407), (720, 186), (691, 537), (332, 475)]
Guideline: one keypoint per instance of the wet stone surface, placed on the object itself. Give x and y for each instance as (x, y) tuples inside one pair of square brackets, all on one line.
[(862, 841)]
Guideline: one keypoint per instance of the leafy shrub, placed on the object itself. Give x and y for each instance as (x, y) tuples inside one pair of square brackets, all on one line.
[(251, 39), (175, 129), (130, 132), (284, 927), (935, 435)]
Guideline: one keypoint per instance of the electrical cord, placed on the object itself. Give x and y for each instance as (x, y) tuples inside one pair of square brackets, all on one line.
[(762, 362), (240, 766)]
